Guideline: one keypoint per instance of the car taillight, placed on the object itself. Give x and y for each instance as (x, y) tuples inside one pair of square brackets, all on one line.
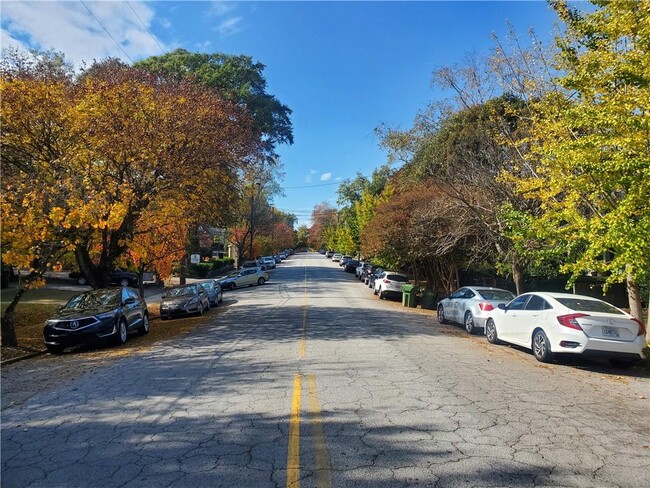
[(386, 281), (641, 327), (570, 320), (486, 307)]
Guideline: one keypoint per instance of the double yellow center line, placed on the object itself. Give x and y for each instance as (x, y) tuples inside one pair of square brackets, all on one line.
[(323, 464)]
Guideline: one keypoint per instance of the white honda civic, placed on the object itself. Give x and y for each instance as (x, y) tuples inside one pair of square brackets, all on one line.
[(560, 323)]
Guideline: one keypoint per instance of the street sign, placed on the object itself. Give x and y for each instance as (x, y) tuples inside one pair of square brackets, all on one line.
[(195, 258)]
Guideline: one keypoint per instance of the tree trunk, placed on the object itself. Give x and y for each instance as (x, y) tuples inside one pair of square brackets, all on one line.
[(9, 319), (183, 270), (517, 275), (634, 297)]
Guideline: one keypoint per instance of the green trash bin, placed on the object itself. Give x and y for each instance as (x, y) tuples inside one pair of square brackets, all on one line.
[(409, 295), (428, 300)]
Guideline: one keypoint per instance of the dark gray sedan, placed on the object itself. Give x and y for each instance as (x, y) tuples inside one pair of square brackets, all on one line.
[(184, 300)]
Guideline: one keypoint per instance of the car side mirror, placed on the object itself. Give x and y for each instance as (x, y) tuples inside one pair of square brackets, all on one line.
[(502, 306), (129, 301)]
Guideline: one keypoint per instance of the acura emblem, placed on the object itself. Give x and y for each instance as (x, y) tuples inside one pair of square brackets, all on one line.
[(74, 324)]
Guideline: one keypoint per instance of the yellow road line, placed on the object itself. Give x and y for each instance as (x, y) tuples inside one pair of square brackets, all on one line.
[(323, 463), (293, 457)]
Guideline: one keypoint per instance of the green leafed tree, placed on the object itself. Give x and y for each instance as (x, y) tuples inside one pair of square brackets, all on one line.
[(238, 79), (589, 145)]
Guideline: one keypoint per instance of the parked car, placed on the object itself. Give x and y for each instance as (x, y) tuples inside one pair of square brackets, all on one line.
[(336, 257), (214, 291), (363, 266), (116, 277), (250, 264), (470, 305), (269, 262), (372, 276), (246, 277), (185, 299), (96, 315), (344, 259), (560, 323), (351, 265), (389, 283), (329, 254)]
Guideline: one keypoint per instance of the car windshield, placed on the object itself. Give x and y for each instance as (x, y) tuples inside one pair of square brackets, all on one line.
[(180, 291), (208, 285), (94, 299), (586, 305), (504, 295), (400, 278)]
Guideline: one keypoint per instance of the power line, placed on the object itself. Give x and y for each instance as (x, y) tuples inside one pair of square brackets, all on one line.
[(146, 28), (105, 30)]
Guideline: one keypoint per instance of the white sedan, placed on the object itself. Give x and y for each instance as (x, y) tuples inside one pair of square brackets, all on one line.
[(552, 323), (470, 305)]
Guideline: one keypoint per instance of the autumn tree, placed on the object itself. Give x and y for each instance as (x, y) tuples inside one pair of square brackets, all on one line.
[(85, 159), (589, 145), (323, 218), (237, 79)]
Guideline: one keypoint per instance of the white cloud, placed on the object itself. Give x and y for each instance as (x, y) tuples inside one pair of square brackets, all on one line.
[(70, 28), (338, 178), (220, 8), (229, 26), (202, 46), (310, 177), (325, 176), (164, 22)]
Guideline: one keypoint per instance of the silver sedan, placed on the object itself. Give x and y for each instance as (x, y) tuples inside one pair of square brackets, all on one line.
[(470, 306)]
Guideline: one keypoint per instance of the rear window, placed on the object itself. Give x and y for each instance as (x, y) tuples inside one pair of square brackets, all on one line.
[(585, 305), (400, 278), (506, 296)]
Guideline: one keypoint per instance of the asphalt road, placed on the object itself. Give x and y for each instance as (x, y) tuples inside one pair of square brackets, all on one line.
[(312, 381)]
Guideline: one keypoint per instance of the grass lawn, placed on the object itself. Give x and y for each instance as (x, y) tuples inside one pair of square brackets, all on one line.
[(36, 306)]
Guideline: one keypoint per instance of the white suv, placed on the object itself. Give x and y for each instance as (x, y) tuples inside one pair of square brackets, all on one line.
[(269, 262), (390, 283)]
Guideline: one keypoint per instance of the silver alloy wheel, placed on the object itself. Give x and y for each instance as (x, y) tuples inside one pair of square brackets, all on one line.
[(145, 324), (122, 332), (441, 315), (124, 282), (469, 322), (491, 331), (541, 348), (261, 281)]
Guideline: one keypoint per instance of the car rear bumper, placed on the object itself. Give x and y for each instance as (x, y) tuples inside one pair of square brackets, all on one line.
[(579, 343)]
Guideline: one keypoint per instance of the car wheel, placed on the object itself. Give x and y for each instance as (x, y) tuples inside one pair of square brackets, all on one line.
[(491, 332), (199, 310), (374, 291), (261, 281), (381, 294), (124, 282), (122, 333), (441, 315), (469, 323), (82, 281), (221, 297), (54, 349), (144, 328), (541, 347)]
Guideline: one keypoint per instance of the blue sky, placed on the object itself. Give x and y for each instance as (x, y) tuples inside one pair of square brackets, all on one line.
[(342, 67)]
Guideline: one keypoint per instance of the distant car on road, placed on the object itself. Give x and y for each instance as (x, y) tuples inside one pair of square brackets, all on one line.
[(94, 316), (250, 264), (561, 323), (470, 306), (329, 254), (246, 277), (185, 299), (269, 262), (336, 257), (351, 265)]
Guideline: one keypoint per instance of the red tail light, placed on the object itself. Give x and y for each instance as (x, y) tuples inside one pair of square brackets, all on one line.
[(486, 307), (570, 320), (641, 327), (386, 281)]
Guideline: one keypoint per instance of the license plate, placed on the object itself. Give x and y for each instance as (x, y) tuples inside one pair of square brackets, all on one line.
[(610, 332)]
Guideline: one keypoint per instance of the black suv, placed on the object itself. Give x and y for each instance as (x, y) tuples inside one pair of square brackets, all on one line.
[(117, 277), (107, 313)]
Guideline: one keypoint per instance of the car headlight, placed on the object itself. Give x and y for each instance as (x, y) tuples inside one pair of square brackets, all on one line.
[(105, 315)]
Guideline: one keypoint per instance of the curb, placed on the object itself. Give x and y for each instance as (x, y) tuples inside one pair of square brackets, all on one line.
[(20, 358)]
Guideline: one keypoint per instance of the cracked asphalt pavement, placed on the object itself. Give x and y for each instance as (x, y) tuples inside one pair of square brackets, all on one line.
[(312, 381)]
